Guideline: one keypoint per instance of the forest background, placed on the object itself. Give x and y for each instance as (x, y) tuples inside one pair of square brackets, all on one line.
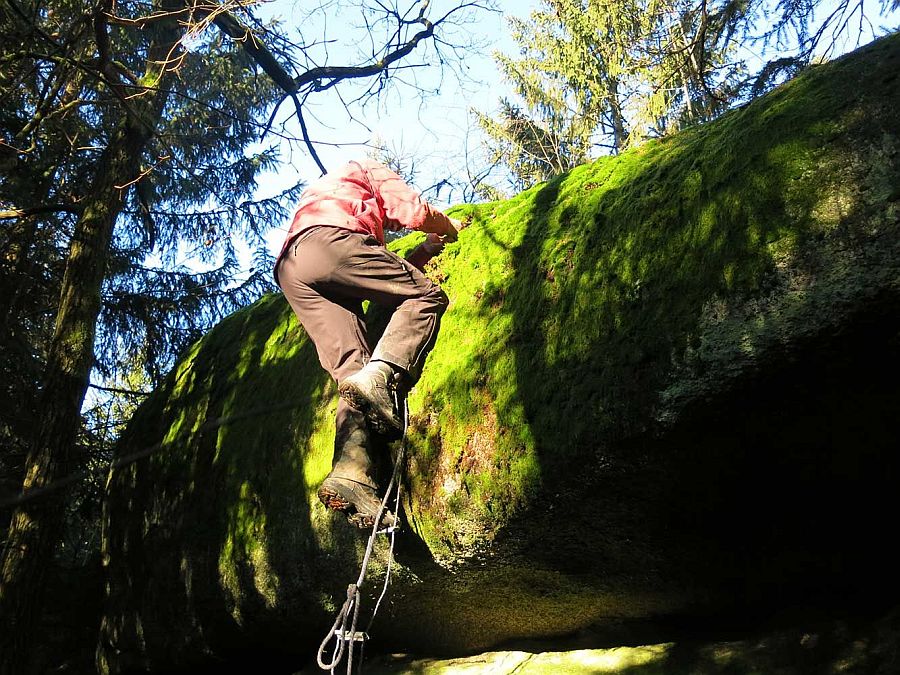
[(150, 153)]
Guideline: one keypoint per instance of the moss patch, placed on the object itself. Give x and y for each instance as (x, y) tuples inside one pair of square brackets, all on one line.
[(579, 303)]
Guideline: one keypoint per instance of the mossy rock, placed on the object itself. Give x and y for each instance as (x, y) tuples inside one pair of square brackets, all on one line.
[(663, 389), (832, 645)]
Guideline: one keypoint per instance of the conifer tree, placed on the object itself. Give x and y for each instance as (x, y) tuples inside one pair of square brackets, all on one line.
[(597, 76)]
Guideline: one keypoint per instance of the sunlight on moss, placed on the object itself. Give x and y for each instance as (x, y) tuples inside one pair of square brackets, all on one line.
[(188, 420), (645, 659), (317, 459), (244, 553), (837, 204), (185, 367), (724, 654), (283, 344), (320, 445), (614, 660)]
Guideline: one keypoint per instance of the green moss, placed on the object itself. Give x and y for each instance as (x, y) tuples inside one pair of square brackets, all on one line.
[(644, 660), (585, 289), (583, 312)]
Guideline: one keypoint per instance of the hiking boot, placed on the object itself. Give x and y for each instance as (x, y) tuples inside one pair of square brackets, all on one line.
[(371, 391), (351, 487), (356, 500)]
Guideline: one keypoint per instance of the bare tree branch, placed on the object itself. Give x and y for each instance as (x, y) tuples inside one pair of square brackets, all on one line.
[(116, 390), (314, 77), (306, 139)]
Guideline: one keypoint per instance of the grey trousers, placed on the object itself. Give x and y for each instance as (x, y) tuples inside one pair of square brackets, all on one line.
[(325, 276)]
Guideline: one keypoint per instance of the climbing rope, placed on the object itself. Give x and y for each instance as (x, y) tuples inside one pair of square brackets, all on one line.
[(345, 639)]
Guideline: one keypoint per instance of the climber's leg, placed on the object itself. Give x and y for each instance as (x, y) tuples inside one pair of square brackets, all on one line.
[(351, 486)]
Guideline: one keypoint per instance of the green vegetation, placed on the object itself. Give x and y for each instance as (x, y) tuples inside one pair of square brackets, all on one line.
[(575, 303), (584, 312)]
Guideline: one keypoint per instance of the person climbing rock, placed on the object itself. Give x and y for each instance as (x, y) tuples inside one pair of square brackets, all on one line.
[(332, 259)]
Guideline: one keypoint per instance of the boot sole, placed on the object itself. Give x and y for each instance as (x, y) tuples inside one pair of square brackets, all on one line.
[(335, 499), (385, 427)]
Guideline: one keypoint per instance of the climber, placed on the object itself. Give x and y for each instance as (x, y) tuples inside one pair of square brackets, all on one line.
[(332, 259)]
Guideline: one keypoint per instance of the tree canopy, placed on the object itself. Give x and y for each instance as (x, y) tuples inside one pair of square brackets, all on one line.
[(595, 77)]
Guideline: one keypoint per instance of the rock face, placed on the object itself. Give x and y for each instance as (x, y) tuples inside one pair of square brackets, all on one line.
[(664, 388)]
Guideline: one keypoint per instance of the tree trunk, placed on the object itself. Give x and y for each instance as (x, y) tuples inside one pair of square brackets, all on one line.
[(615, 111), (25, 229), (37, 524), (686, 75)]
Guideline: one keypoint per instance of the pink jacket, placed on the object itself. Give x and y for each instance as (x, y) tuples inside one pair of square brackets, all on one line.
[(364, 196)]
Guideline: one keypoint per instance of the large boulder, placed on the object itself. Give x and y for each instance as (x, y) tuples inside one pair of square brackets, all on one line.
[(664, 388)]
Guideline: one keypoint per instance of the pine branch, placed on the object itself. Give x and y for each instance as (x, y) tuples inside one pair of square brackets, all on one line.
[(37, 210)]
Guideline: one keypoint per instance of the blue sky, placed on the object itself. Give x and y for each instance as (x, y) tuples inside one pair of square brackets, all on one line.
[(435, 127)]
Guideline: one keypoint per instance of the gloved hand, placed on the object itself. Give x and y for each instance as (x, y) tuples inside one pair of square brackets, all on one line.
[(433, 244), (421, 254)]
